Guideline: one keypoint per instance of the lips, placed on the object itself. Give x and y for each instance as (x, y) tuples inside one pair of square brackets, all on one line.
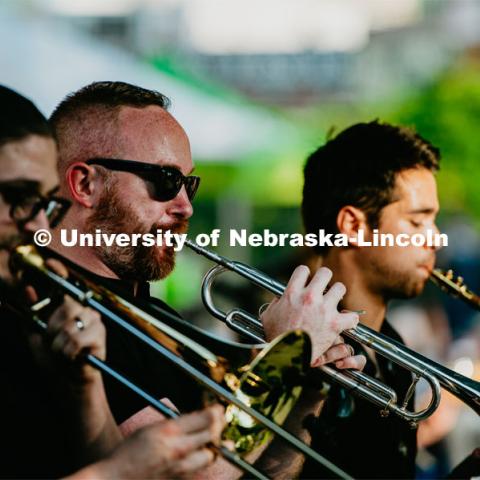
[(427, 267)]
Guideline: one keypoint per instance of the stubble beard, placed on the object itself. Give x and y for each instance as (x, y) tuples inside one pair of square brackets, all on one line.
[(139, 263), (397, 283)]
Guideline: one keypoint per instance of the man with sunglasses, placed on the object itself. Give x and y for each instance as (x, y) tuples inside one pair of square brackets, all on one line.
[(125, 164), (55, 415)]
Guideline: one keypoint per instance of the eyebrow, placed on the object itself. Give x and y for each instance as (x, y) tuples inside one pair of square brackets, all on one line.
[(424, 210)]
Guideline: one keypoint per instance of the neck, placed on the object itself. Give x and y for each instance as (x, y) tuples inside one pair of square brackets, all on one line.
[(359, 296)]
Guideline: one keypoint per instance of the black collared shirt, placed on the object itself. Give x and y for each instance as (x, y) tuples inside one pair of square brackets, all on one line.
[(351, 433)]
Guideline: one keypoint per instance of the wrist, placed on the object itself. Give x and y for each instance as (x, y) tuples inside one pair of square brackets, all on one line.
[(102, 469), (90, 400), (87, 386)]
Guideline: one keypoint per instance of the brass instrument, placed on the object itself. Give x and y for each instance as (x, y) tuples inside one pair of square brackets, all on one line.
[(359, 383), (455, 286), (259, 394)]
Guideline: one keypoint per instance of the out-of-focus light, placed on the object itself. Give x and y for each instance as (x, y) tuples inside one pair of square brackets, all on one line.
[(464, 366), (92, 8), (275, 26), (290, 26), (385, 14)]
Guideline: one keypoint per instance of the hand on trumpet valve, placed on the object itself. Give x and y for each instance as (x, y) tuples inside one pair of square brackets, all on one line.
[(342, 355), (305, 305)]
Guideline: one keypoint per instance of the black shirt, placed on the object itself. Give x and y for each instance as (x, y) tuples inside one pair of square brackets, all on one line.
[(351, 433), (470, 467), (36, 438)]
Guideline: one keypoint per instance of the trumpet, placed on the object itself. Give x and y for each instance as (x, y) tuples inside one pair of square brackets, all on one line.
[(455, 286), (382, 395), (259, 394)]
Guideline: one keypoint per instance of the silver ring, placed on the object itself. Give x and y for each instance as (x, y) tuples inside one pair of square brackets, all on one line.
[(263, 308), (79, 323)]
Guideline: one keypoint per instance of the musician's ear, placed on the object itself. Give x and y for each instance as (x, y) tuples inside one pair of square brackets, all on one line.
[(350, 220), (83, 184)]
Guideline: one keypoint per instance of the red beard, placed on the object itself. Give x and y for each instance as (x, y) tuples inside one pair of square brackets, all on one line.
[(138, 263)]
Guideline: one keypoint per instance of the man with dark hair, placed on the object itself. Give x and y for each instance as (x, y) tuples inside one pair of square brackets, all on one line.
[(20, 118), (55, 415), (126, 165), (372, 176)]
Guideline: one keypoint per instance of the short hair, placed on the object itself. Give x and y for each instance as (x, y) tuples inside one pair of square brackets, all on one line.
[(76, 119), (359, 167), (110, 95), (20, 118)]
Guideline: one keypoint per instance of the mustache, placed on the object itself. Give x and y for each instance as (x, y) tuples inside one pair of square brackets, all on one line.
[(179, 226)]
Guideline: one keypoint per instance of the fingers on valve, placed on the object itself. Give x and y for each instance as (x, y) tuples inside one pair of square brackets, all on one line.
[(298, 280)]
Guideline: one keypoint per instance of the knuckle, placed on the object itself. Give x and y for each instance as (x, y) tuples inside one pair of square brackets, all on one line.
[(345, 350), (308, 298), (68, 301), (179, 450), (335, 324), (171, 428), (287, 296), (354, 319)]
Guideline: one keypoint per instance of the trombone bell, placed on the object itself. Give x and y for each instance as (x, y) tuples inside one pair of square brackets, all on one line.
[(271, 384)]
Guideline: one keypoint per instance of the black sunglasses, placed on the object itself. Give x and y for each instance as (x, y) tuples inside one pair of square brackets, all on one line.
[(167, 181), (26, 208)]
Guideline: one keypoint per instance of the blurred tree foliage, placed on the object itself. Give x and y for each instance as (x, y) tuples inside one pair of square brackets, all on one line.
[(448, 114)]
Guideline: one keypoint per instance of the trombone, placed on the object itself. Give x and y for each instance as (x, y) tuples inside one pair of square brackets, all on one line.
[(466, 389), (259, 395)]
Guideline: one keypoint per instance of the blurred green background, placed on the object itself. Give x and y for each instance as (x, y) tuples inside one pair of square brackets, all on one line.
[(258, 85)]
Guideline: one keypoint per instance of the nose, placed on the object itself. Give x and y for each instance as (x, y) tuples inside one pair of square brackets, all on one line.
[(180, 206), (36, 223), (435, 234)]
